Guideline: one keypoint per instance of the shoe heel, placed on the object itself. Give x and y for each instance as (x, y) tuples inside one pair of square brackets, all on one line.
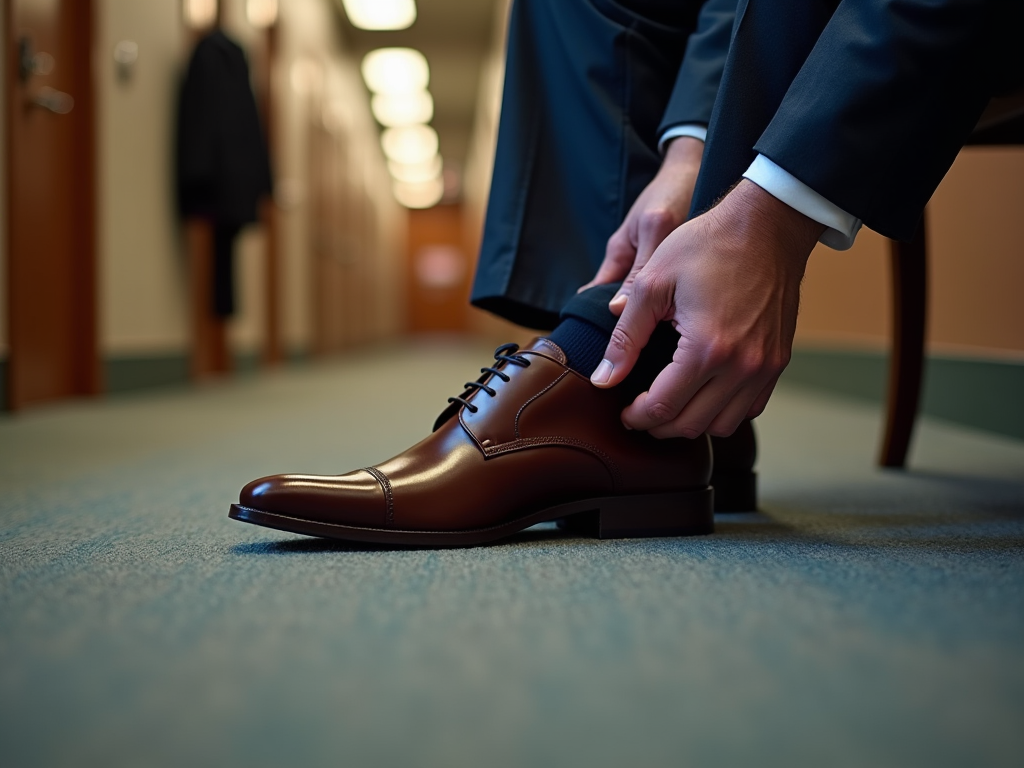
[(683, 513), (735, 491)]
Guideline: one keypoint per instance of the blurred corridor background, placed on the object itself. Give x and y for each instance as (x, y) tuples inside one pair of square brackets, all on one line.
[(380, 130), (859, 617), (109, 287)]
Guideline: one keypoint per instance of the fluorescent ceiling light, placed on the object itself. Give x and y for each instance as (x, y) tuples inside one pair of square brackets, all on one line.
[(420, 195), (395, 70), (402, 109), (261, 13), (200, 14), (418, 172), (410, 144), (381, 14)]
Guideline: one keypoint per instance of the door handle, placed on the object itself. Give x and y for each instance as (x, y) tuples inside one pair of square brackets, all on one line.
[(56, 101), (32, 63)]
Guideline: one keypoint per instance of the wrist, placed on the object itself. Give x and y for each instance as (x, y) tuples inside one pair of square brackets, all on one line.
[(758, 215), (683, 150)]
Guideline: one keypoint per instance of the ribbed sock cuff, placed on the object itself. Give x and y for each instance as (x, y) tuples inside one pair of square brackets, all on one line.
[(592, 306), (583, 343), (586, 328)]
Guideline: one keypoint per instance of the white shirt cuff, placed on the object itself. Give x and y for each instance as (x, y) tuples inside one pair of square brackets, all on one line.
[(693, 130), (842, 228)]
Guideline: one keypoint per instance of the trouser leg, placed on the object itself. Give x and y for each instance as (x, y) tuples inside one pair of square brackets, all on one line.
[(586, 84)]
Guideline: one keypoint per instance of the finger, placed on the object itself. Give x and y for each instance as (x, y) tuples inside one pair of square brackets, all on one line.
[(718, 408), (669, 393), (735, 412), (631, 334), (619, 256), (652, 229)]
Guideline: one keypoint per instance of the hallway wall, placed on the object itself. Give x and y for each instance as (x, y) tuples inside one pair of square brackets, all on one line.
[(144, 303), (976, 262), (142, 263), (975, 334), (143, 299)]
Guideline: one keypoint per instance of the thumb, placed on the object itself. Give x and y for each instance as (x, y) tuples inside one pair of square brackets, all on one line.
[(631, 334)]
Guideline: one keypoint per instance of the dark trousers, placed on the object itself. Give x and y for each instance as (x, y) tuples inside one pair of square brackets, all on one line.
[(586, 84), (587, 81)]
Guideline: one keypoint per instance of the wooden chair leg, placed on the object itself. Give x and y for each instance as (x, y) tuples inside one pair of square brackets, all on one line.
[(906, 362)]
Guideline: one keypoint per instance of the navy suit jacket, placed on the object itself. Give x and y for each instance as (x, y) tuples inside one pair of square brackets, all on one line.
[(865, 101)]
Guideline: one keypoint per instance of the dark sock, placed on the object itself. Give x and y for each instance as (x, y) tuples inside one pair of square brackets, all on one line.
[(583, 343), (586, 327)]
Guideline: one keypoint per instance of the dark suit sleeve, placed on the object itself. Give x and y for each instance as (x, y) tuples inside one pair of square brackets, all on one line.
[(885, 100), (701, 71)]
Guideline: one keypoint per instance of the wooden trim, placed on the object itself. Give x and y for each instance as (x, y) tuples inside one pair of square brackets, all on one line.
[(273, 351), (10, 61), (87, 364)]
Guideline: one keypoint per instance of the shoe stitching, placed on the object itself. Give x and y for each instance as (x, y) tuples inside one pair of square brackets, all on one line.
[(531, 442), (389, 495), (523, 408), (556, 350)]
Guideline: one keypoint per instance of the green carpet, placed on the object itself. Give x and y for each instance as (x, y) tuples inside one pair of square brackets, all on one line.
[(864, 618)]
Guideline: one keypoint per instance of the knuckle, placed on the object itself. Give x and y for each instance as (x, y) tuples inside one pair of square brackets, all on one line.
[(719, 353), (751, 364), (622, 341), (657, 220), (659, 411), (644, 285), (690, 431)]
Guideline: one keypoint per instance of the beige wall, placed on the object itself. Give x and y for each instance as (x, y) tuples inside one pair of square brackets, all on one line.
[(142, 277), (143, 296), (976, 261), (317, 86)]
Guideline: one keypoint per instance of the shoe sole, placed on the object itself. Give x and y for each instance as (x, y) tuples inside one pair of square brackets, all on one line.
[(683, 513)]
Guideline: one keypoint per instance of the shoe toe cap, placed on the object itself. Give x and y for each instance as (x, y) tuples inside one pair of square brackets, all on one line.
[(353, 499)]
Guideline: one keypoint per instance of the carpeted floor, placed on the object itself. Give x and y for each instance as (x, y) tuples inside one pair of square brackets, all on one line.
[(864, 618)]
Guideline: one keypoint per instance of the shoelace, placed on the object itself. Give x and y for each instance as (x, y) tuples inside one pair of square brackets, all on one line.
[(506, 353)]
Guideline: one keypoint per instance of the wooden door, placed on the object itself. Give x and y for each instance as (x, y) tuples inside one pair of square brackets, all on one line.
[(440, 272), (50, 199)]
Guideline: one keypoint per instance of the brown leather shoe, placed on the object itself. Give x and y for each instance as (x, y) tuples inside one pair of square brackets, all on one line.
[(530, 441)]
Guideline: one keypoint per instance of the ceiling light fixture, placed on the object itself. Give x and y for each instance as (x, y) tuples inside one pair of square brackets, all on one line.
[(380, 14), (424, 194), (417, 172), (393, 110), (410, 144), (395, 71), (200, 14), (261, 13)]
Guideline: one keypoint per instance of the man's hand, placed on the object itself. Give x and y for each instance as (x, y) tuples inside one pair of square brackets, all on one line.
[(661, 207), (729, 282)]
